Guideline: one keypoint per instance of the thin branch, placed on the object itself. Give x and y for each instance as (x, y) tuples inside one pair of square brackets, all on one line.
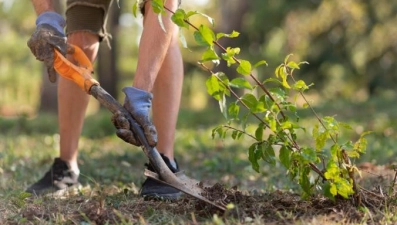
[(232, 128)]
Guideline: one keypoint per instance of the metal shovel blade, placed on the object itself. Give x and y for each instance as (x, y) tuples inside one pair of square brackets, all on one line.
[(187, 185)]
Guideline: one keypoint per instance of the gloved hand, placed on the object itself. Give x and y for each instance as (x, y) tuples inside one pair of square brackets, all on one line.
[(48, 35), (138, 104)]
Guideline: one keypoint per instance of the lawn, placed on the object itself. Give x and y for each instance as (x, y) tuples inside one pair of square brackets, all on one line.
[(112, 172)]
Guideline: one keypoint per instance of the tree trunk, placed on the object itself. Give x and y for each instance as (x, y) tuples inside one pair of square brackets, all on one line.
[(48, 95), (107, 57)]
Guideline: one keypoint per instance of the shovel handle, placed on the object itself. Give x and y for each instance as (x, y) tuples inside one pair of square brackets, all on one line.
[(79, 73)]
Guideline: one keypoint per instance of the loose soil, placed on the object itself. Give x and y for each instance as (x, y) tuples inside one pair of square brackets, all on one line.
[(278, 207)]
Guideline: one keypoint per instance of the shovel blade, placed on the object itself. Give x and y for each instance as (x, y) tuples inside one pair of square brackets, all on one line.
[(187, 185)]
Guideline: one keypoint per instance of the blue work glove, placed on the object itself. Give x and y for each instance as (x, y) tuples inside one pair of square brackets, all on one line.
[(48, 35), (138, 104)]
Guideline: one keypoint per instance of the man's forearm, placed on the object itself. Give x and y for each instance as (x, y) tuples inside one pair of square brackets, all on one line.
[(41, 6)]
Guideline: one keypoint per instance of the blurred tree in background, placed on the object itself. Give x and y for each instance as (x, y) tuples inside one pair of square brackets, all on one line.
[(351, 46)]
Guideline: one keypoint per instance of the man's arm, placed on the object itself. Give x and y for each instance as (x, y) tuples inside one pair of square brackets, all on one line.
[(41, 6)]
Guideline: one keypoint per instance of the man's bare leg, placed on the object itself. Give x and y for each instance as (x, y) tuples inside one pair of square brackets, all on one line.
[(72, 102), (167, 95), (153, 46), (160, 71)]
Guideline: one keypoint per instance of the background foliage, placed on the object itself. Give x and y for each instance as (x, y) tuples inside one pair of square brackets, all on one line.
[(351, 46)]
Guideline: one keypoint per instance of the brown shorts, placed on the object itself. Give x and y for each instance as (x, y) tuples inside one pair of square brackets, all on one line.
[(91, 16)]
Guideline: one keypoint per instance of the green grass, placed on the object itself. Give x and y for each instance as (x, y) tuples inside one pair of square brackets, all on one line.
[(112, 171)]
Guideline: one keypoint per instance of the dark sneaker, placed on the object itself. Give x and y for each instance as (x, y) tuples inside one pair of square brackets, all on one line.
[(152, 189), (56, 181)]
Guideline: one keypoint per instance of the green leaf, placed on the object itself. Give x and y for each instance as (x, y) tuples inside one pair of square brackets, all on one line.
[(309, 154), (361, 144), (268, 103), (228, 56), (182, 39), (293, 65), (252, 156), (244, 120), (332, 171), (204, 36), (272, 123), (286, 125), (244, 68), (135, 8), (210, 19), (236, 134), (249, 100), (284, 156), (234, 34), (209, 55), (191, 13), (222, 105), (287, 58), (304, 180), (320, 136), (289, 106), (331, 123), (300, 85), (352, 153), (327, 190), (268, 153), (344, 187), (240, 83), (213, 87), (271, 80), (157, 6), (345, 125), (333, 190), (282, 73), (335, 151), (259, 132), (262, 62), (218, 130), (179, 18), (259, 107), (234, 110), (279, 94)]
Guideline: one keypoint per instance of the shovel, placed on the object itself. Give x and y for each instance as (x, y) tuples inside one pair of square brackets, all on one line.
[(80, 73)]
